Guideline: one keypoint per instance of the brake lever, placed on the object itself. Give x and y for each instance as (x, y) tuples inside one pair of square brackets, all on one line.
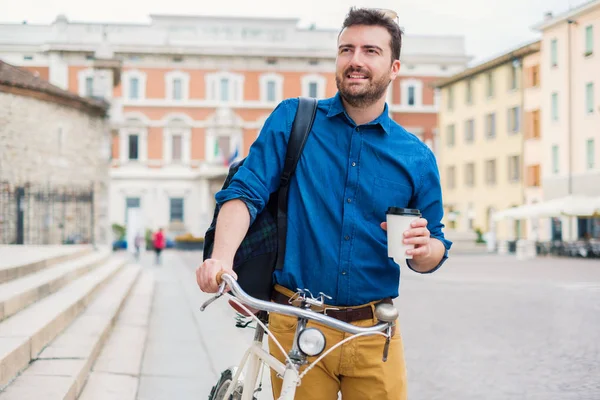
[(386, 347), (215, 297)]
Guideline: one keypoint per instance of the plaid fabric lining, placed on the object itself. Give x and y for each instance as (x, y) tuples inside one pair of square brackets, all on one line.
[(261, 237)]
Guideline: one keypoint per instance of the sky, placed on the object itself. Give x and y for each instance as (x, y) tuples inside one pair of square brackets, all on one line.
[(489, 28)]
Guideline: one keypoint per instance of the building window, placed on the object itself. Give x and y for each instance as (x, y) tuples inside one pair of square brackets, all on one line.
[(589, 98), (533, 124), (470, 174), (312, 89), (271, 87), (533, 176), (177, 85), (411, 92), (589, 40), (176, 210), (554, 106), (225, 87), (133, 146), (514, 75), (490, 85), (514, 120), (131, 202), (176, 147), (134, 85), (411, 95), (177, 89), (535, 76), (490, 126), (313, 86), (451, 177), (450, 98), (177, 140), (555, 160), (554, 52), (470, 131), (134, 88), (590, 151), (89, 86), (469, 94), (271, 97), (490, 172), (514, 168), (450, 139)]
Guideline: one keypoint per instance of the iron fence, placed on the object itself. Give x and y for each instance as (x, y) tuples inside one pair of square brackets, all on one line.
[(46, 214)]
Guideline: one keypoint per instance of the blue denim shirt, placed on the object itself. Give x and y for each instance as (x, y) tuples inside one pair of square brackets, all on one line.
[(346, 178)]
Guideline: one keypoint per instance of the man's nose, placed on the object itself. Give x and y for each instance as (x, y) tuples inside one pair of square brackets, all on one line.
[(357, 59)]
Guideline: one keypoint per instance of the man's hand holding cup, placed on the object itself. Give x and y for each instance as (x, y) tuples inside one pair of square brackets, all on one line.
[(408, 236)]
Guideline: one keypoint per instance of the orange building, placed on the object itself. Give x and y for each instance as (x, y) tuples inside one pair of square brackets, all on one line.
[(190, 93)]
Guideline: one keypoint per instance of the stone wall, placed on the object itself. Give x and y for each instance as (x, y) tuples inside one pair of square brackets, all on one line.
[(45, 143)]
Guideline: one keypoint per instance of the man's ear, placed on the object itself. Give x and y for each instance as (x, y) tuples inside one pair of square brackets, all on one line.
[(395, 70)]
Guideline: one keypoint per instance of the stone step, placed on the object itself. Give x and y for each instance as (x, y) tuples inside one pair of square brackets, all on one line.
[(18, 294), (25, 334), (116, 373), (62, 368), (17, 261)]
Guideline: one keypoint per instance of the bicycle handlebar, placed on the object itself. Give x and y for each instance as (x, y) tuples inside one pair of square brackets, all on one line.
[(243, 297)]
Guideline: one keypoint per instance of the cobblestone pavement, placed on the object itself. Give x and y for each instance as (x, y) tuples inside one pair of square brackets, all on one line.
[(482, 327), (491, 327)]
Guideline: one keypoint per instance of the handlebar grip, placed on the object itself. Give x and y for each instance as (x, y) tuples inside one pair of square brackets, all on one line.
[(219, 277)]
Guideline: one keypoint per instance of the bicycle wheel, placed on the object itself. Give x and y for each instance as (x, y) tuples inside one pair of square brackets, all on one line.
[(218, 391)]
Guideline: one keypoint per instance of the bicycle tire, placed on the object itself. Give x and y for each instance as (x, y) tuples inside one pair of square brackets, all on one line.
[(218, 391)]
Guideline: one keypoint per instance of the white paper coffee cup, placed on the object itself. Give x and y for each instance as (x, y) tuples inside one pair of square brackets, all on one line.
[(398, 221)]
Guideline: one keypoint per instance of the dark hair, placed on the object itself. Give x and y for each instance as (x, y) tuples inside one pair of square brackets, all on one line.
[(376, 17)]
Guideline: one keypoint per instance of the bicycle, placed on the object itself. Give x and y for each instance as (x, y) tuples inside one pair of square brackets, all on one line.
[(233, 385)]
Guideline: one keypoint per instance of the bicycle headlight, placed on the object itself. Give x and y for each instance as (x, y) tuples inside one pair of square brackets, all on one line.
[(311, 341)]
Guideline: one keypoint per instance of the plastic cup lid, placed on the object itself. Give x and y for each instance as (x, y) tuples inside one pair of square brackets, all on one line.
[(403, 211)]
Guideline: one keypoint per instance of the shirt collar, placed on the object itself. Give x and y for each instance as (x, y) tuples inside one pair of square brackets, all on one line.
[(337, 107)]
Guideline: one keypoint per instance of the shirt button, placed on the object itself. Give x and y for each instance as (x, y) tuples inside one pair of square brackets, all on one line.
[(347, 237), (357, 129), (349, 200), (343, 272), (354, 164)]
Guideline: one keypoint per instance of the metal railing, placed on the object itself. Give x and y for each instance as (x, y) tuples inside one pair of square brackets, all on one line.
[(46, 214)]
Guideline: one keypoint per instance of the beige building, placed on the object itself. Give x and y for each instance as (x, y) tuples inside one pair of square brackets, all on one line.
[(481, 149), (570, 117)]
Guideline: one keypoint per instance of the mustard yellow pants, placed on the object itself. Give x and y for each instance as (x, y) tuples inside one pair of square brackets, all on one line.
[(356, 368)]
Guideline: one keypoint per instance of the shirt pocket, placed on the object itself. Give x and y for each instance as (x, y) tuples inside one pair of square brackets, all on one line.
[(385, 194)]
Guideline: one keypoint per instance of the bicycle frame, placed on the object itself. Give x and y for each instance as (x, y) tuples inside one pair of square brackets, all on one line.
[(254, 356)]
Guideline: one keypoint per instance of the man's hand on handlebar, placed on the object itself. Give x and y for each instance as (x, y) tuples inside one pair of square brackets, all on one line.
[(206, 274)]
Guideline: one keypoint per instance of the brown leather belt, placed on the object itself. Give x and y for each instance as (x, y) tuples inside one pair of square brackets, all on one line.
[(348, 315)]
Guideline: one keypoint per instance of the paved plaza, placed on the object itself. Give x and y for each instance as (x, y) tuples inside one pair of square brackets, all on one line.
[(482, 327)]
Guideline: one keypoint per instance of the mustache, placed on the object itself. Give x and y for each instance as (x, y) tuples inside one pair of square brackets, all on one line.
[(357, 70)]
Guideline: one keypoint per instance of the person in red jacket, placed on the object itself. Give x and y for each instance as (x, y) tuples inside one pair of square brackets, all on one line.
[(159, 243)]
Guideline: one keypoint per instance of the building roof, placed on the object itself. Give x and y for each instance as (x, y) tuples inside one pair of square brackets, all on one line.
[(575, 12), (520, 52), (30, 84)]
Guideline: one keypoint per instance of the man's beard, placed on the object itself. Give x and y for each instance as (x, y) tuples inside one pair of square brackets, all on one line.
[(368, 94)]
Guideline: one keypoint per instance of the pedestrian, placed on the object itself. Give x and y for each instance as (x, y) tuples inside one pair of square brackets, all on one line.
[(138, 244), (356, 163), (159, 244)]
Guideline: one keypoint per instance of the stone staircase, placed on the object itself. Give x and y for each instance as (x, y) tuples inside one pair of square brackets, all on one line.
[(57, 310)]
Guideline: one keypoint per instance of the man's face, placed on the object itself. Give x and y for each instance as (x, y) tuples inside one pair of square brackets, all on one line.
[(364, 66)]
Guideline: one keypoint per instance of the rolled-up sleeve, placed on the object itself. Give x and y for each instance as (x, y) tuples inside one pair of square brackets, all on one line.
[(428, 199), (259, 175)]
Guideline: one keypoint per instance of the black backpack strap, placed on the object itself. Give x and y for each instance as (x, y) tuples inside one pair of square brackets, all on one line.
[(305, 116)]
